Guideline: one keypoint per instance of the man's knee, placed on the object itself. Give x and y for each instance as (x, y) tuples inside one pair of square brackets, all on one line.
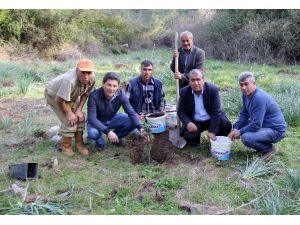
[(225, 127), (246, 139), (126, 121), (93, 133), (191, 136)]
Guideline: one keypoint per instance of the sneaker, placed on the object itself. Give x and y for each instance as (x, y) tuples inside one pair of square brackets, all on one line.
[(269, 156), (121, 143)]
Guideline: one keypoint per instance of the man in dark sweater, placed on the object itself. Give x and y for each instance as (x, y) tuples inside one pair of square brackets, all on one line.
[(199, 109), (190, 57), (145, 92), (103, 105), (261, 122)]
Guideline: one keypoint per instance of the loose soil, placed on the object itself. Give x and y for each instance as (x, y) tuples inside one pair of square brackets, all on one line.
[(155, 115), (162, 151)]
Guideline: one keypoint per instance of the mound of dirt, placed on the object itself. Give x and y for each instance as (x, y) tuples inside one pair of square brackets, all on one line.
[(162, 151)]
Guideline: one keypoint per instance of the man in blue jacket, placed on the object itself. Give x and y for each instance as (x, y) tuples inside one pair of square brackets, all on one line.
[(261, 122), (145, 93), (103, 105), (190, 57), (199, 109)]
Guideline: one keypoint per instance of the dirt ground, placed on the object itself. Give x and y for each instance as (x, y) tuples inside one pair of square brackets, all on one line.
[(162, 151), (18, 109)]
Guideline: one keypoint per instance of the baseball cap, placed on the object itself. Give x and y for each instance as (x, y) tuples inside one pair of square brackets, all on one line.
[(86, 65)]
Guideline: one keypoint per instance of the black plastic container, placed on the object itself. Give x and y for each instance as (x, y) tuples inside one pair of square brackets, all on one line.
[(24, 171)]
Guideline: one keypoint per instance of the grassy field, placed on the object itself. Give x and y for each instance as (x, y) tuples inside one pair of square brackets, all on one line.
[(110, 185)]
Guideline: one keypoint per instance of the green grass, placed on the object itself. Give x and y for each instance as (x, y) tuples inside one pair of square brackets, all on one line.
[(101, 184)]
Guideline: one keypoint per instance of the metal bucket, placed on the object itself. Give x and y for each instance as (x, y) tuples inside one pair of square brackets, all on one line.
[(24, 171)]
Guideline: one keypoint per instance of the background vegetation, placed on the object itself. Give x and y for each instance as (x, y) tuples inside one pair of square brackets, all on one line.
[(269, 36)]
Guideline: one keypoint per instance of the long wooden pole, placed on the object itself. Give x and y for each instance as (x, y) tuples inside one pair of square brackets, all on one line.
[(177, 82)]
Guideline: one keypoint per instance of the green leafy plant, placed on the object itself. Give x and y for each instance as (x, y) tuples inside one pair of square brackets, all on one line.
[(41, 206), (272, 203), (257, 168), (288, 98), (23, 85), (25, 127), (5, 123), (170, 183), (294, 180), (232, 101), (148, 146)]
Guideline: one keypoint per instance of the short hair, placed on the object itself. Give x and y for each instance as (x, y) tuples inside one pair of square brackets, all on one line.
[(246, 75), (197, 72), (146, 63), (111, 76), (188, 33)]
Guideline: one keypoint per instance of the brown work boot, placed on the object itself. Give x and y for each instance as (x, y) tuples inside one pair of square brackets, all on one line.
[(79, 144), (66, 146), (269, 156)]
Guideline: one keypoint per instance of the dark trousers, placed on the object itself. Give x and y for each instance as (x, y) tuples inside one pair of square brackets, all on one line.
[(194, 137)]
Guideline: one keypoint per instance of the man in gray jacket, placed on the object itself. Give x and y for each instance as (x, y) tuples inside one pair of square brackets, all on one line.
[(190, 57)]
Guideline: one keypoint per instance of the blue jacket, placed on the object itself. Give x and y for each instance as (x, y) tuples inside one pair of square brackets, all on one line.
[(211, 102), (136, 95), (260, 110), (100, 109)]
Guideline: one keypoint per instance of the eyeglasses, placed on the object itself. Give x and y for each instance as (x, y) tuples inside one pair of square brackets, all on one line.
[(145, 69)]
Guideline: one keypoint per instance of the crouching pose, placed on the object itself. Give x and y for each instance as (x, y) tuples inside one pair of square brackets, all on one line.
[(66, 95), (103, 105), (261, 122), (200, 109)]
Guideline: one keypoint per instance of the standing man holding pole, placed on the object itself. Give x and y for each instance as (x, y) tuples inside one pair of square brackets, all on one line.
[(190, 57)]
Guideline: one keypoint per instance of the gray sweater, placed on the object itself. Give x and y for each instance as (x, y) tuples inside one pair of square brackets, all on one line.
[(260, 110)]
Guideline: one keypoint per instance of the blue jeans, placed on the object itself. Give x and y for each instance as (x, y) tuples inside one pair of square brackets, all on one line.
[(262, 139), (120, 123)]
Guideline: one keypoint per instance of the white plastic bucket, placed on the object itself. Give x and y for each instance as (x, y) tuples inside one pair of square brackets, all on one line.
[(171, 116), (171, 119), (157, 124), (221, 147)]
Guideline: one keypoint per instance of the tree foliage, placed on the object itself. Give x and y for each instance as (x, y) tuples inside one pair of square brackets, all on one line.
[(248, 35)]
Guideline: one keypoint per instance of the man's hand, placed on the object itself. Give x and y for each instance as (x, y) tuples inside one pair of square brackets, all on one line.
[(211, 136), (235, 134), (175, 54), (191, 127), (80, 115), (178, 75), (141, 117), (71, 118), (144, 134), (112, 137)]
